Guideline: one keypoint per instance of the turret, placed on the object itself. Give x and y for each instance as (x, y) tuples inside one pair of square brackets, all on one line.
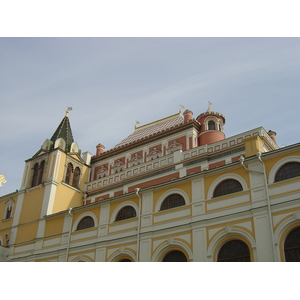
[(211, 127)]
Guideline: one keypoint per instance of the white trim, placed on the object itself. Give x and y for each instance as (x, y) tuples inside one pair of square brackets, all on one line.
[(224, 177), (120, 206), (121, 252), (170, 243), (279, 164), (222, 235), (168, 193), (83, 215)]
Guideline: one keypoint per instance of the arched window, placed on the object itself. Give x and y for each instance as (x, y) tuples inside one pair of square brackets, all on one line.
[(211, 125), (35, 175), (86, 222), (76, 177), (126, 212), (172, 201), (234, 251), (41, 172), (69, 173), (175, 256), (227, 186), (125, 260), (292, 246), (288, 170)]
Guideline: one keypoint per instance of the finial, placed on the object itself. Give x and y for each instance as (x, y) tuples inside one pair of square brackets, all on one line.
[(209, 104), (136, 123), (67, 112), (181, 107)]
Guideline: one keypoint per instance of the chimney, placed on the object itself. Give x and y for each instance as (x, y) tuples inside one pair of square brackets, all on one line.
[(100, 149), (188, 115), (272, 135)]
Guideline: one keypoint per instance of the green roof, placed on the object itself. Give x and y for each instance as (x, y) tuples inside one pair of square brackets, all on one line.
[(64, 131)]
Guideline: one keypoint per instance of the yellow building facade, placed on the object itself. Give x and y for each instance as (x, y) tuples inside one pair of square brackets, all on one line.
[(174, 190)]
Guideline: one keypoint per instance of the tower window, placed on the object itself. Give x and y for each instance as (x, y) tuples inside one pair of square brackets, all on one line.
[(211, 125), (288, 170), (72, 176), (227, 186), (234, 251), (38, 172), (86, 222), (126, 212), (172, 201)]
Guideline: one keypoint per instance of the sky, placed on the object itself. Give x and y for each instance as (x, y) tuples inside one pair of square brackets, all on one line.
[(112, 82)]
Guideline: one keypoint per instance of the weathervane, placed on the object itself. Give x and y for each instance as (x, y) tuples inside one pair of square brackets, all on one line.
[(67, 112), (180, 108)]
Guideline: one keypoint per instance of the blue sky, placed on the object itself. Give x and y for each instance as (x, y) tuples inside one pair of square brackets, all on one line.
[(111, 82)]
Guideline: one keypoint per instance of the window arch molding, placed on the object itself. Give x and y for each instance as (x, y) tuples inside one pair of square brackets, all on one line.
[(234, 176), (122, 205), (227, 234), (83, 215), (121, 253), (82, 258), (279, 164), (171, 244), (169, 193), (284, 229), (218, 126)]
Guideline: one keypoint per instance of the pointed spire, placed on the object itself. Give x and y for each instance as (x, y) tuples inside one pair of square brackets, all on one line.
[(64, 131)]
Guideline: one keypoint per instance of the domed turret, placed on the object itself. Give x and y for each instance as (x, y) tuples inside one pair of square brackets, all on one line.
[(211, 127)]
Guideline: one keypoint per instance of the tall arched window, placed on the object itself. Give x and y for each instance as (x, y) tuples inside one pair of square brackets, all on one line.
[(172, 201), (86, 222), (288, 170), (227, 186), (72, 176), (69, 173), (41, 172), (35, 175), (211, 125), (234, 251), (292, 246), (126, 212), (175, 256), (76, 177)]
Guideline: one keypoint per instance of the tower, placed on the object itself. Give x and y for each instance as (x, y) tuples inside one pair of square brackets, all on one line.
[(53, 180), (211, 127)]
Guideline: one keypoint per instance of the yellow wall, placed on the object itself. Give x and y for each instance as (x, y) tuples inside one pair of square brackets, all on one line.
[(32, 205), (54, 226), (26, 233)]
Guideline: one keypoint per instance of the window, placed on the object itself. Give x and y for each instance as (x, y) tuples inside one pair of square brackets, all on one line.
[(288, 170), (292, 246), (38, 171), (175, 256), (125, 260), (227, 186), (69, 173), (86, 222), (76, 177), (72, 176), (234, 251), (172, 201), (8, 209), (126, 212), (211, 125)]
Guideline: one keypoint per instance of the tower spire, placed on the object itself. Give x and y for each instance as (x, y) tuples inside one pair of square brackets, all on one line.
[(64, 131)]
